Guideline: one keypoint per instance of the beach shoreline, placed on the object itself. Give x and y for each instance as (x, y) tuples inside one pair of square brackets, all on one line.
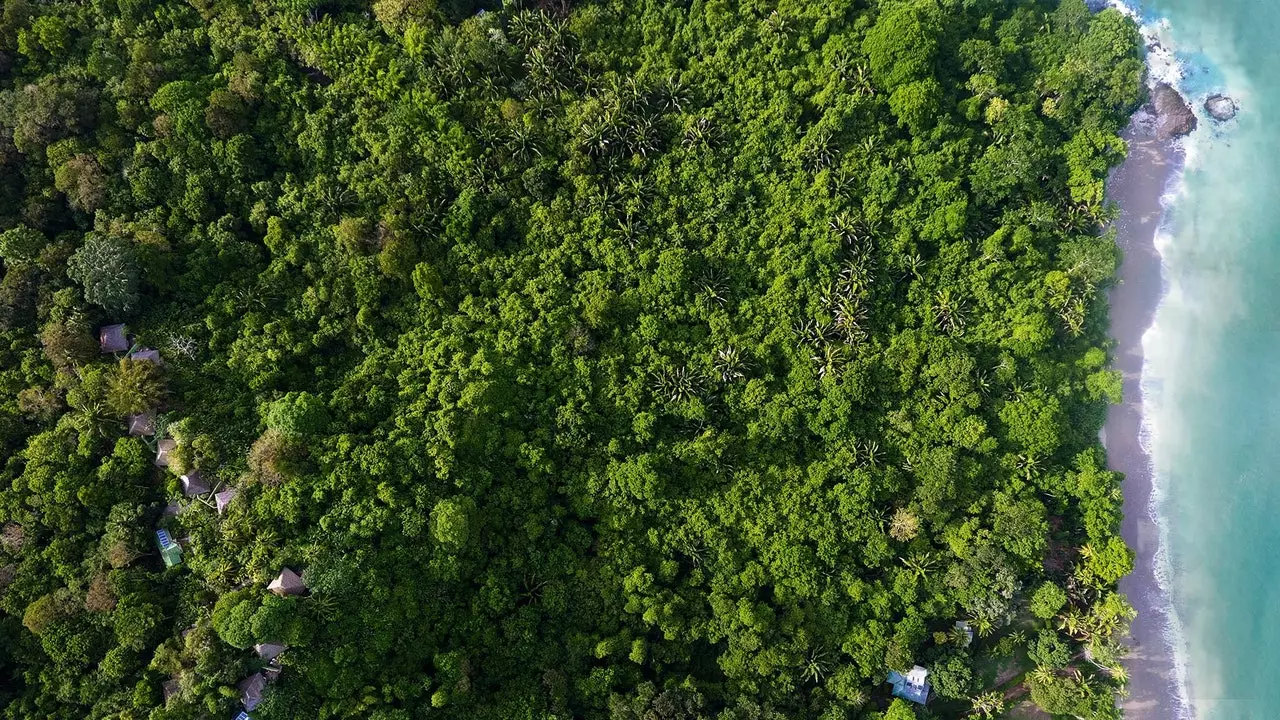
[(1138, 186)]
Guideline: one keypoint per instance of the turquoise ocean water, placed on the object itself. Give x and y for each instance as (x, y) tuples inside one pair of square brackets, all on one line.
[(1212, 377)]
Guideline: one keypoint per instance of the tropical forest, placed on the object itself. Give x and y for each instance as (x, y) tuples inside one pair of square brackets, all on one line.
[(557, 359)]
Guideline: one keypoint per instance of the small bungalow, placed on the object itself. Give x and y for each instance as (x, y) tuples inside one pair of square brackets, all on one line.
[(269, 651), (242, 715), (164, 449), (913, 686), (146, 354), (224, 498), (287, 583), (169, 688), (170, 551), (193, 484), (142, 424), (251, 690), (112, 339)]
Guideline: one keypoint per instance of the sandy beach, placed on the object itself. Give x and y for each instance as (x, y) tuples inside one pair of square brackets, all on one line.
[(1137, 186)]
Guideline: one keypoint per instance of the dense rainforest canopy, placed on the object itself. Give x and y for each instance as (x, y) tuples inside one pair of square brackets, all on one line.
[(611, 359)]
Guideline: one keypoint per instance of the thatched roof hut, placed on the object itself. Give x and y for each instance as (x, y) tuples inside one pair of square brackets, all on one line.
[(146, 354), (112, 339), (287, 582), (269, 651), (224, 498), (193, 483), (142, 424), (164, 449), (251, 690)]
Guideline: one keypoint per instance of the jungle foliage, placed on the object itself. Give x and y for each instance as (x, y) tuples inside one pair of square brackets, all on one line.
[(633, 359)]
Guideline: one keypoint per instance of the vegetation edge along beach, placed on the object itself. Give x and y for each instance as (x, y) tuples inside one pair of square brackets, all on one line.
[(734, 360)]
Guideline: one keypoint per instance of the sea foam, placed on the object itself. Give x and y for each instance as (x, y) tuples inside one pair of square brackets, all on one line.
[(1164, 65)]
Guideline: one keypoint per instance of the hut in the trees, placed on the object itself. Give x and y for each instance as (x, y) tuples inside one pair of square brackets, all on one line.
[(269, 651), (287, 583), (251, 690), (193, 483), (169, 688), (963, 629), (164, 449), (147, 355), (224, 498), (242, 715), (170, 551), (112, 339), (142, 424), (913, 686)]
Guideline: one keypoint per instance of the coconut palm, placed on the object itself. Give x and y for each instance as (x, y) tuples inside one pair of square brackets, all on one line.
[(987, 705), (1042, 675), (949, 312), (730, 364), (920, 566), (869, 453), (815, 668)]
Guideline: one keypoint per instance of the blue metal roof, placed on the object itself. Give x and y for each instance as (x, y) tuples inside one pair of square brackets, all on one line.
[(164, 538), (243, 716), (905, 690)]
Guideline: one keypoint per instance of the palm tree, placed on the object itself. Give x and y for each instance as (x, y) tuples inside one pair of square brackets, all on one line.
[(1073, 623), (912, 265), (869, 454), (983, 626), (988, 705), (948, 312), (1042, 675), (815, 668), (830, 360), (920, 565), (730, 364)]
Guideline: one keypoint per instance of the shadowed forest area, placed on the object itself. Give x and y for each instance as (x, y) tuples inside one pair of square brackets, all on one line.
[(618, 359)]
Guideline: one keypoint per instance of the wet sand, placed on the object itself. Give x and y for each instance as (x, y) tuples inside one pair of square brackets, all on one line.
[(1137, 186)]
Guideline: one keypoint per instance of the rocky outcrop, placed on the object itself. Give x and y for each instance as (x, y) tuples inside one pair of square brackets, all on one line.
[(1220, 107), (1174, 117)]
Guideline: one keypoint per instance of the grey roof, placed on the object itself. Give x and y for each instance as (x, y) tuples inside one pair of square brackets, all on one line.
[(163, 449), (287, 582), (193, 483), (169, 688), (142, 424), (147, 354), (112, 339), (269, 651), (251, 690), (224, 498)]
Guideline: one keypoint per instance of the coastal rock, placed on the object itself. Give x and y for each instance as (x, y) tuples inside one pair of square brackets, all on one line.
[(1174, 117), (1220, 107)]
